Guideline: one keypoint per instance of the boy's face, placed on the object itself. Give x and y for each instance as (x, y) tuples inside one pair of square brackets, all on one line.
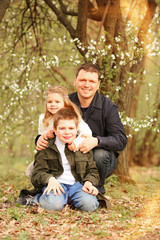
[(66, 130)]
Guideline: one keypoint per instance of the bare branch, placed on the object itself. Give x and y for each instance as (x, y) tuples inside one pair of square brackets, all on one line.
[(61, 17), (94, 13), (55, 70), (133, 3), (143, 31), (151, 7), (64, 9), (82, 21), (103, 19), (3, 7), (111, 20)]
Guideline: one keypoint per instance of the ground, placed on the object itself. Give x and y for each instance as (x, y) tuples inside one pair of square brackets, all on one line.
[(133, 214)]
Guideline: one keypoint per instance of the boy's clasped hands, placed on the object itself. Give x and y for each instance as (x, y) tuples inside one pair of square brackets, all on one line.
[(55, 186)]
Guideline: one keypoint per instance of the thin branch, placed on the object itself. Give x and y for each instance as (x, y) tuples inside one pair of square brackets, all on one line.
[(94, 13), (64, 9), (133, 3), (143, 31), (151, 7), (55, 70), (3, 7), (103, 19), (82, 21), (61, 17), (33, 18)]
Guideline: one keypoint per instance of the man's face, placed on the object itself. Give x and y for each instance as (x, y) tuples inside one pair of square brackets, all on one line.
[(66, 130), (86, 83)]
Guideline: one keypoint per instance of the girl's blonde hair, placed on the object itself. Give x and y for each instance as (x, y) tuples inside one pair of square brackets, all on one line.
[(63, 92)]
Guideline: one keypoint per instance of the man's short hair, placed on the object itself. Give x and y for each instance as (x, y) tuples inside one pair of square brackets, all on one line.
[(89, 67), (65, 113)]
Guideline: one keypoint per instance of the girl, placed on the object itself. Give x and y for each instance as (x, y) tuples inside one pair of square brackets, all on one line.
[(57, 98)]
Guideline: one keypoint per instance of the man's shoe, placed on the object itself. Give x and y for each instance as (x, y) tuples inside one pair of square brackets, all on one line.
[(101, 189)]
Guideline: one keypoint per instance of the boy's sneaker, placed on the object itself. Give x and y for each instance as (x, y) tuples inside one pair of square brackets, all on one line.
[(27, 200)]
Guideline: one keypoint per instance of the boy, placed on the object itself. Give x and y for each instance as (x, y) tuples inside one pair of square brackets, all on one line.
[(65, 177)]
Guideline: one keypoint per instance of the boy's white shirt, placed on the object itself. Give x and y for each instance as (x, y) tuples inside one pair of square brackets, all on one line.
[(83, 128), (66, 177)]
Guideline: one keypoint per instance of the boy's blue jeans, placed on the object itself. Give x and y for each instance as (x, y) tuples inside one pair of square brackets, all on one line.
[(74, 195)]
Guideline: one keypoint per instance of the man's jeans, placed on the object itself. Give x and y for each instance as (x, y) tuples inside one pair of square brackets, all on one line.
[(106, 163), (74, 195)]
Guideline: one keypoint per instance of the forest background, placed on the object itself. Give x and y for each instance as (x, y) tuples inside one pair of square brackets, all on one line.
[(43, 42)]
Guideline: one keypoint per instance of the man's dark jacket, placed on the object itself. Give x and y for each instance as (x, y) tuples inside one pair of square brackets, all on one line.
[(103, 118)]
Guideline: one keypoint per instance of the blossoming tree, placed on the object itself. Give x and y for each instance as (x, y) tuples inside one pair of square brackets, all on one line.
[(117, 35)]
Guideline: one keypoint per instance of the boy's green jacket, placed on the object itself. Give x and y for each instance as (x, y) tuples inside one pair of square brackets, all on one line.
[(48, 163)]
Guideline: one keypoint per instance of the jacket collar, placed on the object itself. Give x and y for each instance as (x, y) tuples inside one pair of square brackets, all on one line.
[(96, 101), (51, 143)]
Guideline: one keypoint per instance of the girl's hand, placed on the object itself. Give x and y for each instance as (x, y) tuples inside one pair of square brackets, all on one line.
[(55, 186), (42, 142), (89, 188), (50, 134)]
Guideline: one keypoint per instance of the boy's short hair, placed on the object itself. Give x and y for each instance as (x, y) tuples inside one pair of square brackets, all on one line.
[(65, 113)]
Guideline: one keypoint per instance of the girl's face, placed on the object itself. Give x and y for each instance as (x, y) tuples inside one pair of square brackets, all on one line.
[(54, 102)]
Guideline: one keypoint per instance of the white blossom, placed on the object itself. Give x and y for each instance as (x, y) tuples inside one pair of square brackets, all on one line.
[(117, 39), (147, 97), (113, 56), (122, 62), (118, 88), (136, 129), (136, 39)]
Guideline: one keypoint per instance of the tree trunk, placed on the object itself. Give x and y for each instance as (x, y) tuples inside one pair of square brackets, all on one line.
[(4, 4), (109, 11), (143, 156), (82, 21), (123, 167)]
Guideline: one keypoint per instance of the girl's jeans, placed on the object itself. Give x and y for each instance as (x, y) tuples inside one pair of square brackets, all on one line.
[(74, 195)]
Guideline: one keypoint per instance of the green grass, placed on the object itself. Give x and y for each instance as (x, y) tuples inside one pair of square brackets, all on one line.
[(133, 213)]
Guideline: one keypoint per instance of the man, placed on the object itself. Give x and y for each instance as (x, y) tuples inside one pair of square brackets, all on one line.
[(102, 116)]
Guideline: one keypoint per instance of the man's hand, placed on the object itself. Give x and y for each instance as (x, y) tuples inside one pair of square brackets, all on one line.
[(72, 147), (55, 186), (88, 144), (89, 188), (42, 142)]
